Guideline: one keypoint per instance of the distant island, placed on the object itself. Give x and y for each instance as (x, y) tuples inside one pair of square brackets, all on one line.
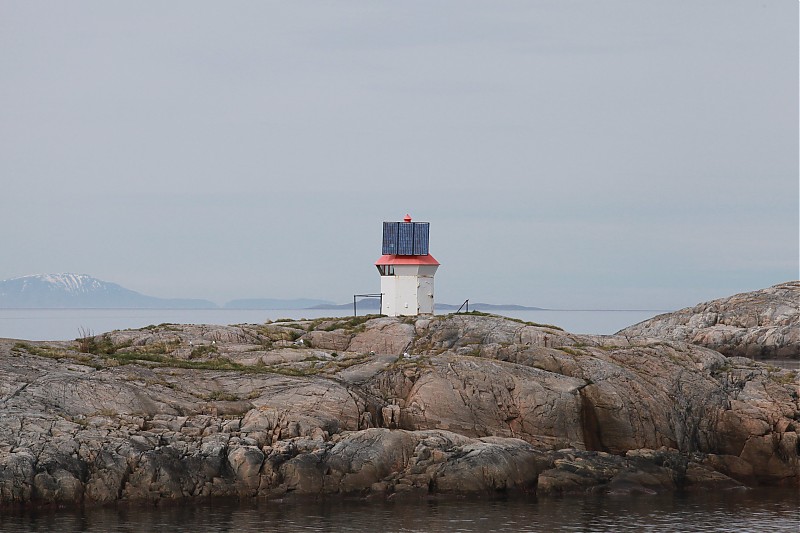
[(81, 291), (373, 303)]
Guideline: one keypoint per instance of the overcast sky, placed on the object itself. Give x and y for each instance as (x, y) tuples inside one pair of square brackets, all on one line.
[(568, 154)]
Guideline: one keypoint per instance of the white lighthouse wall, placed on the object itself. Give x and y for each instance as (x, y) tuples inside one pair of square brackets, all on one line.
[(425, 295), (399, 295), (409, 292)]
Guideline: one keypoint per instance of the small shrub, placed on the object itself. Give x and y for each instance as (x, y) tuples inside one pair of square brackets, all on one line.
[(102, 345)]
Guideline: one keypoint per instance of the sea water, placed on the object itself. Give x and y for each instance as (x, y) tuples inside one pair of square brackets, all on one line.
[(756, 510), (67, 324)]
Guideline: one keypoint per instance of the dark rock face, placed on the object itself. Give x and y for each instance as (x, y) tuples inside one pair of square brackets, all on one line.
[(386, 408), (762, 324)]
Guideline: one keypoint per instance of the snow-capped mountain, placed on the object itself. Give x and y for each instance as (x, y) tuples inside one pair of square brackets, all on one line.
[(81, 291)]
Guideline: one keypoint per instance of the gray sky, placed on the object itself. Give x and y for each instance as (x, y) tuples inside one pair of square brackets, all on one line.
[(568, 154)]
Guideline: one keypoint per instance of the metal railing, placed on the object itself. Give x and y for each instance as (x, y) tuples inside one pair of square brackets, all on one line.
[(466, 303), (380, 305)]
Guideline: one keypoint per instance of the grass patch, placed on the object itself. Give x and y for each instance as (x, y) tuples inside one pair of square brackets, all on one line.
[(343, 364), (355, 323), (164, 347), (157, 355), (41, 351), (203, 350), (164, 326), (783, 378), (268, 334), (55, 353), (218, 364), (570, 351), (534, 324), (221, 396), (418, 361)]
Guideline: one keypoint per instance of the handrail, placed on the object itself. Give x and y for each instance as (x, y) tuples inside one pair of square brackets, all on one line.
[(466, 302), (380, 304)]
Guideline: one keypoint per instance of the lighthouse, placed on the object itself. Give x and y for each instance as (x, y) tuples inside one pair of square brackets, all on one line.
[(406, 269)]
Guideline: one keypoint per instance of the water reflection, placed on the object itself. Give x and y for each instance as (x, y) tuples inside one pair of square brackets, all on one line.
[(757, 510)]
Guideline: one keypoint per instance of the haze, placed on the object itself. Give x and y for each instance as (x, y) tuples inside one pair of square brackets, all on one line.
[(568, 154)]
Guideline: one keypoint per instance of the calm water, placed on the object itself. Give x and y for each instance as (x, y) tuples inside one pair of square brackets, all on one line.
[(740, 511), (65, 324)]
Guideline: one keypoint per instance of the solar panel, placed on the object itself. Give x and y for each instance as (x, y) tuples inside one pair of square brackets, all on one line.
[(405, 241), (390, 231), (405, 238), (421, 230)]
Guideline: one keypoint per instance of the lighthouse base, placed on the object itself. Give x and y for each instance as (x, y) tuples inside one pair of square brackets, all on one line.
[(407, 295)]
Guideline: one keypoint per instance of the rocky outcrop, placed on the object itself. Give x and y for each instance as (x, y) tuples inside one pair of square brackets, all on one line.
[(384, 407), (763, 324)]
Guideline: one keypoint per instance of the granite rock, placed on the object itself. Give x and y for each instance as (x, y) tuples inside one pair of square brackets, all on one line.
[(384, 407), (763, 324)]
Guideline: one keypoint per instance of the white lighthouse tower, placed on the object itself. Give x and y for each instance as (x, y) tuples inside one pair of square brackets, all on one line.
[(406, 269)]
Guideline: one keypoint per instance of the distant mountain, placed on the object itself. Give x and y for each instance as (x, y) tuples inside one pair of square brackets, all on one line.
[(275, 303), (78, 291), (368, 303), (82, 291)]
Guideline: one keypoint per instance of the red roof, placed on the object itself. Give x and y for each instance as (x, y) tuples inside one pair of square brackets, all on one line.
[(407, 260)]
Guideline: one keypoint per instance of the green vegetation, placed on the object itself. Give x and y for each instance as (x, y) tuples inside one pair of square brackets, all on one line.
[(42, 351), (570, 351), (611, 347), (101, 345), (418, 362), (342, 364), (164, 326), (156, 355), (535, 324), (203, 350), (722, 369), (353, 324), (164, 347), (273, 333), (475, 313), (780, 377), (221, 396), (54, 353)]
